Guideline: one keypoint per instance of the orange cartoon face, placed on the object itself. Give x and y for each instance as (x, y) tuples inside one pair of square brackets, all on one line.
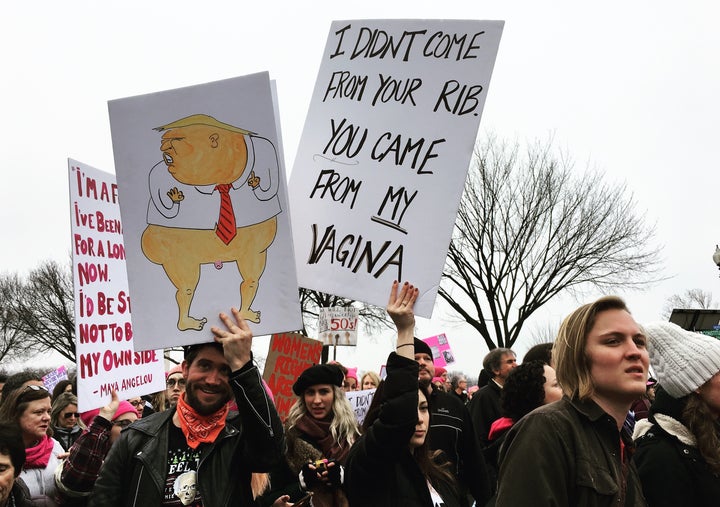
[(204, 155)]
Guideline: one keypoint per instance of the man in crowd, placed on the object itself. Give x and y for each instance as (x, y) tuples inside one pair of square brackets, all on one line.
[(459, 387), (452, 432), (175, 385), (198, 435), (485, 405)]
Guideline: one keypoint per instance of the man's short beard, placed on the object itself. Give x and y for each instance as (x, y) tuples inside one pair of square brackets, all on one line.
[(424, 383), (198, 407)]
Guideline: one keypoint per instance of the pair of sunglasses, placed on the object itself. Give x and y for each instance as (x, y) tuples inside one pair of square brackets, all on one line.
[(171, 382), (70, 415)]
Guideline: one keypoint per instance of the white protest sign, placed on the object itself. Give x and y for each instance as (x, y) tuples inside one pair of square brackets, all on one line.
[(360, 402), (204, 208), (338, 325), (384, 153), (104, 335), (54, 377)]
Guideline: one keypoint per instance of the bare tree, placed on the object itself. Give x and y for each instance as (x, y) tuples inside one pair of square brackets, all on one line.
[(528, 229), (44, 309), (691, 299), (13, 342)]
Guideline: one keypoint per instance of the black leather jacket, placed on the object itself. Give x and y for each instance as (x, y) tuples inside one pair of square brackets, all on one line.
[(134, 471)]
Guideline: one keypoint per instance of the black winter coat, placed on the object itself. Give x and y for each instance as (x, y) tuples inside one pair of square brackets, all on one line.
[(671, 469), (134, 471), (380, 470)]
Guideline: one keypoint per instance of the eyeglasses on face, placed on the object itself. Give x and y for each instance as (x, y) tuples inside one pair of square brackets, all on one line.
[(70, 415), (138, 403), (123, 423), (171, 382)]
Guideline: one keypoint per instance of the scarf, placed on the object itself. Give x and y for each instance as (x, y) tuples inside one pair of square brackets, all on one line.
[(39, 455), (319, 432), (198, 428)]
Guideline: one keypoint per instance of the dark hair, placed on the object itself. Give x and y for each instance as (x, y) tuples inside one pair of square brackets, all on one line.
[(524, 390), (17, 380), (14, 405), (61, 386), (11, 444), (540, 352), (192, 351), (433, 464), (493, 360)]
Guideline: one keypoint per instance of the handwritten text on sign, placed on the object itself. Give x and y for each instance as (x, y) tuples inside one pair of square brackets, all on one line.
[(385, 151), (289, 354), (103, 329)]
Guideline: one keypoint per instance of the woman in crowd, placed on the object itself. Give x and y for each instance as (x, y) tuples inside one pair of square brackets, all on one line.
[(573, 452), (370, 380), (13, 493), (320, 429), (65, 419), (30, 408), (678, 446), (64, 386), (529, 386), (76, 476), (391, 464)]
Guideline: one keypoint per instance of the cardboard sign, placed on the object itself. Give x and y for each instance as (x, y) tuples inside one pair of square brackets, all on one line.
[(288, 356), (104, 334), (338, 325), (204, 208), (384, 153), (360, 402)]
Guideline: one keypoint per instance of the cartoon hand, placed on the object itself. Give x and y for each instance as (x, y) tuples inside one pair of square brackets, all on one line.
[(175, 195), (253, 180)]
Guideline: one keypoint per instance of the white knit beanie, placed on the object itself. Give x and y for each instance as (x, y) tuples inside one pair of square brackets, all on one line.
[(682, 360)]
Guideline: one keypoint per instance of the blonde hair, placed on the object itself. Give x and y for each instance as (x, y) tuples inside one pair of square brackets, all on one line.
[(343, 428), (373, 376), (572, 366)]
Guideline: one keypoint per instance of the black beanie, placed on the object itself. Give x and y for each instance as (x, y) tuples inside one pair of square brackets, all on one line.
[(318, 374), (422, 347)]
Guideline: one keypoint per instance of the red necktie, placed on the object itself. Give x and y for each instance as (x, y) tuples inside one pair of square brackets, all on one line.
[(225, 228)]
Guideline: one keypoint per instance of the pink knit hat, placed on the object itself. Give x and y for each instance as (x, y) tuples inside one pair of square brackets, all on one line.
[(175, 369), (352, 373), (123, 408)]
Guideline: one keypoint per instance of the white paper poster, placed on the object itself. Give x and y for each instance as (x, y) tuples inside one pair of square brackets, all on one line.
[(384, 153), (204, 206), (104, 334), (338, 325)]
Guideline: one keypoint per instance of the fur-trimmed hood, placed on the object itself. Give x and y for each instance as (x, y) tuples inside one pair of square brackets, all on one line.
[(670, 425)]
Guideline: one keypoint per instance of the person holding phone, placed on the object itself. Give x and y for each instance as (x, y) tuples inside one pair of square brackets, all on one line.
[(320, 429)]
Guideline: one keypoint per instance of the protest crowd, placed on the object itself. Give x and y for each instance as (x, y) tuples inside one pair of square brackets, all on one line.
[(578, 422)]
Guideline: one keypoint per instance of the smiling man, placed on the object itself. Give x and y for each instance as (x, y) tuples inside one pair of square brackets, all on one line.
[(199, 435)]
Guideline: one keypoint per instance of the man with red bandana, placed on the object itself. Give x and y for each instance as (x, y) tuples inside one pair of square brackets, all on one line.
[(154, 455)]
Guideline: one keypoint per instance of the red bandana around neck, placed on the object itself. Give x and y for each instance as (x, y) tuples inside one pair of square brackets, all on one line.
[(39, 455), (198, 428)]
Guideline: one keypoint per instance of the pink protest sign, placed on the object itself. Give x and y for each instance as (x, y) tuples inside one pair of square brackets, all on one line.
[(442, 354)]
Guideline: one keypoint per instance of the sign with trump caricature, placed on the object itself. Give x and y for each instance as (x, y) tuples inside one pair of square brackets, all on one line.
[(204, 202)]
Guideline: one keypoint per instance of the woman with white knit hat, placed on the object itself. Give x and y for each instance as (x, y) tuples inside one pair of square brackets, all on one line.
[(678, 446)]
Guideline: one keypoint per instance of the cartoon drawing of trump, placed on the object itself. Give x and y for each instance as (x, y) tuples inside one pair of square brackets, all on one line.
[(213, 199)]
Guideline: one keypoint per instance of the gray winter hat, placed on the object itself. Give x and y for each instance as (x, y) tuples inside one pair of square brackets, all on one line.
[(682, 360)]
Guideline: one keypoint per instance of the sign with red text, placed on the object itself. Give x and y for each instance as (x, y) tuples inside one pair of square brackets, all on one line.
[(384, 153), (442, 354), (338, 325), (104, 337), (288, 356)]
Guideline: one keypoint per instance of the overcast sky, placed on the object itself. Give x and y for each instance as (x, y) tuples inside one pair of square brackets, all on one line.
[(630, 88)]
